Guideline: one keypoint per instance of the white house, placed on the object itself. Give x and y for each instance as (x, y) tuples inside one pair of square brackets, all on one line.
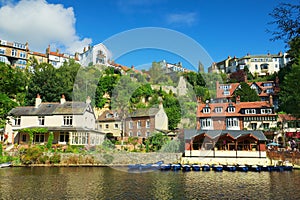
[(97, 54), (72, 123)]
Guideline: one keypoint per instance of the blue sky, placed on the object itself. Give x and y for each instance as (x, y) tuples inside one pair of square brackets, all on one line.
[(222, 28)]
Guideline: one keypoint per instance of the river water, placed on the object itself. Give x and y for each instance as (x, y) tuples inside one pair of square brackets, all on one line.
[(110, 183)]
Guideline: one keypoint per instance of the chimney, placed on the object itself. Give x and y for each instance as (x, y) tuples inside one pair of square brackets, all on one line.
[(160, 106), (238, 100), (271, 100), (132, 67), (48, 49), (62, 99), (38, 101), (199, 100), (88, 100)]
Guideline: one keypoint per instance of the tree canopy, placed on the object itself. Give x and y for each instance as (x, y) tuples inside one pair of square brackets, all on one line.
[(246, 93)]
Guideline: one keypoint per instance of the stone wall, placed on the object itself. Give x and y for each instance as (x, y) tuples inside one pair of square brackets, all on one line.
[(119, 158)]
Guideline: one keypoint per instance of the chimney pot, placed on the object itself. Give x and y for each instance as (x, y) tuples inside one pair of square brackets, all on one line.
[(63, 99), (38, 101)]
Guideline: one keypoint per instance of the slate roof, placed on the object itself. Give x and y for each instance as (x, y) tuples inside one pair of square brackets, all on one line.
[(103, 117), (215, 134), (44, 109), (144, 112), (238, 107)]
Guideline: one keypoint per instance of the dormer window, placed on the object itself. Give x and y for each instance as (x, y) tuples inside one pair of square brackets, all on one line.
[(218, 109), (206, 110), (266, 111), (250, 111), (231, 109)]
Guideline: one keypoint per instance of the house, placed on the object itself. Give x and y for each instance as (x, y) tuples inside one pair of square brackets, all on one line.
[(225, 143), (57, 59), (110, 123), (14, 53), (70, 122), (93, 55), (142, 122), (265, 90), (258, 65), (258, 115), (289, 128)]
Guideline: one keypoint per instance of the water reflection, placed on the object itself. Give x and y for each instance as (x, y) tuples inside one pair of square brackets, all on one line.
[(108, 183)]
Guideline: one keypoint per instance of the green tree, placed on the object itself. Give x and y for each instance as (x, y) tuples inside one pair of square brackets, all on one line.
[(6, 104), (287, 22), (157, 140), (133, 141), (289, 95), (246, 93)]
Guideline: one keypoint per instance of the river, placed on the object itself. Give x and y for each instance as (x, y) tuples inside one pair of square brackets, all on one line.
[(110, 183)]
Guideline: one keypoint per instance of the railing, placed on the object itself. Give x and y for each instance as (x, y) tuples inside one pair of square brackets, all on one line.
[(226, 154)]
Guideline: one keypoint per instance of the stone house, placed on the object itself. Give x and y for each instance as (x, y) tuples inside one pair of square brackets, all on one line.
[(142, 122), (110, 123), (71, 123)]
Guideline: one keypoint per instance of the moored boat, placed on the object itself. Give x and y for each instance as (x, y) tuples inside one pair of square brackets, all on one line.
[(7, 164), (217, 168), (230, 168), (176, 167), (196, 167), (205, 167), (165, 167), (255, 168), (242, 168), (186, 168)]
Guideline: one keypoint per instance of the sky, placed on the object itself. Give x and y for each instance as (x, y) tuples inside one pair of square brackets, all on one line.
[(219, 28)]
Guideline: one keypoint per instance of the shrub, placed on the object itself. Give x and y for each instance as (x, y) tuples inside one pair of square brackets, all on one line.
[(50, 140), (44, 159), (55, 158), (30, 155)]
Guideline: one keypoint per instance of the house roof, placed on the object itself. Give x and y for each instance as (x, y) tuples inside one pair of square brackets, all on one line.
[(73, 108), (144, 112), (234, 86), (109, 115), (286, 117), (238, 107), (216, 134)]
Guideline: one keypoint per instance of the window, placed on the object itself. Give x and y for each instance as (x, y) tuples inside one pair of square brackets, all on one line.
[(148, 124), (218, 109), (116, 126), (17, 121), (64, 137), (2, 51), (130, 134), (253, 126), (250, 111), (14, 52), (226, 93), (266, 111), (268, 84), (106, 126), (39, 137), (131, 125), (24, 138), (139, 124), (206, 110), (139, 134), (206, 123), (68, 120), (22, 54), (80, 138), (231, 109), (225, 87), (256, 67), (41, 120), (270, 90), (232, 122), (147, 134), (266, 125)]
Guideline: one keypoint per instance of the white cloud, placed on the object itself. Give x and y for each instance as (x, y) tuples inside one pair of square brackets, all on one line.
[(188, 19), (40, 24)]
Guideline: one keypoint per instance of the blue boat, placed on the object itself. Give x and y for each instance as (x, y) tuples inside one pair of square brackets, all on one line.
[(176, 167), (157, 165), (165, 167), (229, 168), (267, 168), (288, 168), (186, 168), (255, 168), (278, 168), (205, 168), (196, 167), (134, 166), (242, 168), (217, 168)]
